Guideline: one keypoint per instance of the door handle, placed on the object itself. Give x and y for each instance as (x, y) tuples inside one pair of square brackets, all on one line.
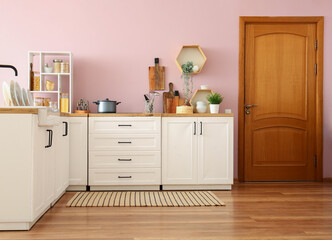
[(50, 138), (66, 128), (124, 176), (194, 128), (201, 128), (124, 142), (251, 105), (124, 159)]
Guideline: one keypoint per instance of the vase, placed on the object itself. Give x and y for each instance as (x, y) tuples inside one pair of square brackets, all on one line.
[(214, 108)]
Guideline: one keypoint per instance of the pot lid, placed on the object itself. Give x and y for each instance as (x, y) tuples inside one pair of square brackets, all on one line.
[(106, 100)]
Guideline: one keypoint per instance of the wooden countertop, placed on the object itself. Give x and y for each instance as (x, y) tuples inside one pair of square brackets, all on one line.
[(34, 110)]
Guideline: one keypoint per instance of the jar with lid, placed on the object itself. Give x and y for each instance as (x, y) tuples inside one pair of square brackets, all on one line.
[(38, 101), (54, 106), (46, 101), (57, 65), (64, 102)]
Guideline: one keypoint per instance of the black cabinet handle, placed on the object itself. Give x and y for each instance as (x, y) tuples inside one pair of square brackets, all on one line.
[(201, 128), (124, 176), (194, 128), (50, 138), (124, 142), (124, 125), (66, 129), (124, 159)]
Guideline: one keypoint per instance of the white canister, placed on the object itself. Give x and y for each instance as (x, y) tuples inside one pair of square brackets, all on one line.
[(214, 108), (201, 107)]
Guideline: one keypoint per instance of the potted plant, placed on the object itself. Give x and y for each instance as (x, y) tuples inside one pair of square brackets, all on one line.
[(187, 69), (214, 99)]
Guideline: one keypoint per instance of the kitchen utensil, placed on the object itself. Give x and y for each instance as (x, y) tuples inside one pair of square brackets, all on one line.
[(48, 69), (24, 97), (169, 94), (30, 99), (18, 93), (6, 94), (157, 76), (106, 106)]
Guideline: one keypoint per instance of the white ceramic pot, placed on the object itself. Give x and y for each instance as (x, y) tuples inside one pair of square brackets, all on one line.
[(214, 108), (201, 107)]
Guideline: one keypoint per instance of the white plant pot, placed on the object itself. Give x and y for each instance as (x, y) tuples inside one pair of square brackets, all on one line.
[(214, 108)]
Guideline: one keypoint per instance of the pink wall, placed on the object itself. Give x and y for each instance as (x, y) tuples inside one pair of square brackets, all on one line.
[(114, 42)]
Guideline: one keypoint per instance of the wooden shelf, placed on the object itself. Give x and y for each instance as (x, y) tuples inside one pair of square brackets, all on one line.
[(200, 95), (191, 53)]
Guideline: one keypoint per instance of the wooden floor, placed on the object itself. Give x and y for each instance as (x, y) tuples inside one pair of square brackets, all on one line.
[(253, 211)]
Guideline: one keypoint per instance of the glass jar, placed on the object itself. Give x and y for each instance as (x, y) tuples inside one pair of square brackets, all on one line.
[(57, 65), (46, 101), (53, 106), (38, 101), (64, 102), (65, 67)]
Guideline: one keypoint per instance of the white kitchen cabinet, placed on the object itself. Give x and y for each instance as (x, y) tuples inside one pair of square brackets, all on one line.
[(27, 170), (124, 153), (179, 150), (78, 153), (197, 153), (62, 156)]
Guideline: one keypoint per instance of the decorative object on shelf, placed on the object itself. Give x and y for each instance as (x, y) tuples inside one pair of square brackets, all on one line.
[(201, 107), (204, 87), (215, 99), (57, 65), (192, 53), (49, 85), (187, 69), (156, 76), (47, 69), (184, 109), (64, 102), (82, 106), (149, 102), (201, 95)]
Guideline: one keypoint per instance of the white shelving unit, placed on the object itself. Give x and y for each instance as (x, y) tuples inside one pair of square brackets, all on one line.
[(61, 78)]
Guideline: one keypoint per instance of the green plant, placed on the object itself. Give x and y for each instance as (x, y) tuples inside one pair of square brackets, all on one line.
[(215, 98), (187, 69)]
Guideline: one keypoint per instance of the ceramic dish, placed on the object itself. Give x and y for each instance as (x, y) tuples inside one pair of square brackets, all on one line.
[(6, 94), (18, 93), (12, 93), (30, 99), (25, 98)]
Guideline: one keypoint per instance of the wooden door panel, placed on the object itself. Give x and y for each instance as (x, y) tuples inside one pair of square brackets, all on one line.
[(280, 79), (289, 148), (275, 89)]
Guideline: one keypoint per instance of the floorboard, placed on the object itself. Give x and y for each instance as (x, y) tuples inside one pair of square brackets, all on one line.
[(253, 211)]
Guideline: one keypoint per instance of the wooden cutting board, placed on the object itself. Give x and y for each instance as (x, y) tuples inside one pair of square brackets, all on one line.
[(157, 78)]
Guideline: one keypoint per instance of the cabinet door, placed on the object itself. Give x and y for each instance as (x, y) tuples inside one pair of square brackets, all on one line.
[(49, 159), (179, 150), (78, 153), (215, 150), (62, 157)]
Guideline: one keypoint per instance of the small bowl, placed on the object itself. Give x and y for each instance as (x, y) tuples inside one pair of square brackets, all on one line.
[(204, 87), (49, 85), (48, 69)]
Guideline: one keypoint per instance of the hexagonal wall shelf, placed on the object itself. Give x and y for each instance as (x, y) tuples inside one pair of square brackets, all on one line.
[(201, 95), (192, 53)]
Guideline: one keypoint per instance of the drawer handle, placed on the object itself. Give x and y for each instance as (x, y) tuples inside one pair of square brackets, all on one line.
[(124, 159), (124, 142), (124, 176), (124, 125)]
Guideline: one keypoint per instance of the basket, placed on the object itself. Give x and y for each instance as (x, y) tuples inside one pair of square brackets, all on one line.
[(184, 109)]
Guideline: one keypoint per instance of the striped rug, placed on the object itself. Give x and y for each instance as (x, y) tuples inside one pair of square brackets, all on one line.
[(145, 199)]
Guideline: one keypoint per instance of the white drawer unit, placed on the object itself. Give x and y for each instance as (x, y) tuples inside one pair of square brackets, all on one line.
[(111, 159), (127, 142), (124, 151), (116, 125), (125, 176)]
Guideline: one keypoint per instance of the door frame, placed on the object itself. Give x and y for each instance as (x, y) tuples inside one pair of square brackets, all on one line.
[(319, 21)]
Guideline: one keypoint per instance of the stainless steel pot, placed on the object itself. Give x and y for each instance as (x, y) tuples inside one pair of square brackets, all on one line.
[(106, 106)]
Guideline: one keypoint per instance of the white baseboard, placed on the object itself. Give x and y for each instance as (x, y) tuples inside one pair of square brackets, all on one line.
[(124, 188), (198, 187)]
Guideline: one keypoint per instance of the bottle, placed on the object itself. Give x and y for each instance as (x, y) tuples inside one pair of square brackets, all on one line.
[(64, 102)]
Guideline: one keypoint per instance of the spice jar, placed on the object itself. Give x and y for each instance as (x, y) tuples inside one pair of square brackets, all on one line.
[(57, 65), (64, 102), (65, 67)]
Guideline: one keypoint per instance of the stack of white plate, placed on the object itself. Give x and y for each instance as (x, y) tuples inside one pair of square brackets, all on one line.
[(15, 96)]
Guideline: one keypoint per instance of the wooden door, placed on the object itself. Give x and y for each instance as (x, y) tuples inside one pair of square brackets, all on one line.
[(179, 150), (280, 80), (215, 150)]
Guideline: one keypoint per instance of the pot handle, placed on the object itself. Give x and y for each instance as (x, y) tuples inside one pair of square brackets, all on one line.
[(96, 103), (118, 103)]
